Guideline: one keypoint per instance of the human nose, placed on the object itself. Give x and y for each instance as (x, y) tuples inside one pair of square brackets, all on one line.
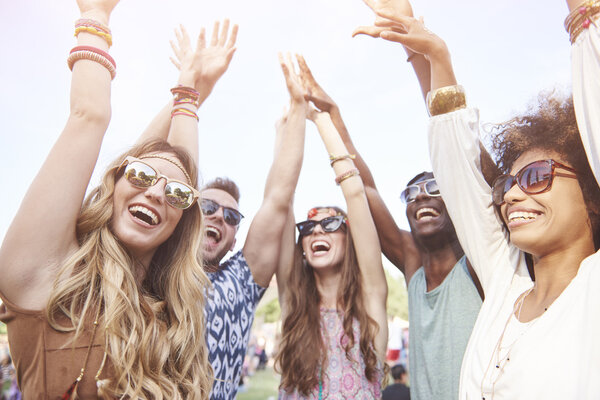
[(157, 191), (318, 229), (422, 195), (514, 194)]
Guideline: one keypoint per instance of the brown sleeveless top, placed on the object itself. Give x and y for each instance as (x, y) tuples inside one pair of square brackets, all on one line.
[(46, 360)]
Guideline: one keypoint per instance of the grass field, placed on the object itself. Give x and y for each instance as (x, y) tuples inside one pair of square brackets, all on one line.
[(261, 386)]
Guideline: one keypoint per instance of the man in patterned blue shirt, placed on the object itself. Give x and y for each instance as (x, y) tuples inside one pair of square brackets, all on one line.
[(239, 283)]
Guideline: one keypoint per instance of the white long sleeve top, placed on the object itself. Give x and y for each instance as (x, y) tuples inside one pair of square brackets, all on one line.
[(557, 355)]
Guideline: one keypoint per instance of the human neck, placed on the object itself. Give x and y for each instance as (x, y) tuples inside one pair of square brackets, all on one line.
[(141, 265), (438, 262), (554, 271), (211, 267), (328, 283)]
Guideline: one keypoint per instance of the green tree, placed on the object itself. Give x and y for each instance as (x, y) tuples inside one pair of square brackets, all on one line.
[(397, 301), (270, 311), (2, 329)]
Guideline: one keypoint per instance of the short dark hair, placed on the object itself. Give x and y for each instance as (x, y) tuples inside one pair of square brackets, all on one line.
[(226, 185), (397, 371), (420, 177)]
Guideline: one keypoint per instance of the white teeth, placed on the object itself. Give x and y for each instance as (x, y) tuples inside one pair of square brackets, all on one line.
[(214, 231), (319, 245), (145, 211), (427, 213), (521, 215)]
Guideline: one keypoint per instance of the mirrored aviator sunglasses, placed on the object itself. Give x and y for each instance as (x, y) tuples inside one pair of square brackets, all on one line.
[(534, 178), (411, 192), (177, 194), (329, 224), (231, 216)]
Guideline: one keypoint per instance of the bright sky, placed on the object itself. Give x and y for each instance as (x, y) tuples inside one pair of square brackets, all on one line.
[(504, 52)]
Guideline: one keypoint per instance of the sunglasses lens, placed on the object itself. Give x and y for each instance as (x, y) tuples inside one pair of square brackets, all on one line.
[(306, 227), (409, 194), (231, 216), (502, 184), (432, 188), (179, 195), (536, 177), (208, 207), (332, 224), (140, 174)]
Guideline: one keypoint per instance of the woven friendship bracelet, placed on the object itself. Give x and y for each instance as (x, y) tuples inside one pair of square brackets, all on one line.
[(92, 56), (581, 18), (94, 31), (348, 174), (92, 23), (446, 99), (333, 159)]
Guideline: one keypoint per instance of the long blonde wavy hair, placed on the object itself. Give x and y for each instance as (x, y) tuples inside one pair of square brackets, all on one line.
[(154, 333), (301, 350)]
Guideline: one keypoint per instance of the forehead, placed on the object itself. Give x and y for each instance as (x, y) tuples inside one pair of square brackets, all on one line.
[(221, 197), (535, 155), (165, 167)]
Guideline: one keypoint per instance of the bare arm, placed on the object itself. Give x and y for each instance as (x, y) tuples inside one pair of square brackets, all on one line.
[(203, 67), (397, 244), (363, 231), (263, 242), (42, 233)]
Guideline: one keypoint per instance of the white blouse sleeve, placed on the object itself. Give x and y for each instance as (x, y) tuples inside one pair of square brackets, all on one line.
[(585, 56), (454, 151)]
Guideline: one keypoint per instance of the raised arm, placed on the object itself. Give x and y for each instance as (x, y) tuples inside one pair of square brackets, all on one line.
[(201, 67), (42, 233), (362, 228), (585, 59), (264, 239), (397, 244)]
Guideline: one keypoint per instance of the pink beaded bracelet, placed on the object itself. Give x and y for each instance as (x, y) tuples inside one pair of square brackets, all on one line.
[(92, 56)]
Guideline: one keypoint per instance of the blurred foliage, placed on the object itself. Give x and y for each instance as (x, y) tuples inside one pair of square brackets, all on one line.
[(397, 301), (270, 311), (2, 328)]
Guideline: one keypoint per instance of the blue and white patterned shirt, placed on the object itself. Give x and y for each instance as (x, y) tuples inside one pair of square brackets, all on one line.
[(229, 310)]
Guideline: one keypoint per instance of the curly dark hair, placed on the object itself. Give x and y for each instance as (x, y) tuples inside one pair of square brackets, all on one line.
[(550, 125)]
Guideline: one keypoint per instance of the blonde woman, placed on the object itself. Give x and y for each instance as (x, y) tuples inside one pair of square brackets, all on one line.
[(103, 299)]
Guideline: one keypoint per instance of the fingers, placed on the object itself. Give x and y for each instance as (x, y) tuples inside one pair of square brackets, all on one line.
[(201, 39), (176, 49), (224, 33), (305, 72), (372, 31), (397, 37), (175, 63), (215, 34), (233, 36)]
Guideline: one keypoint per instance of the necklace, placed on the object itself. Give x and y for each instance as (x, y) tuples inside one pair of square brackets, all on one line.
[(501, 361)]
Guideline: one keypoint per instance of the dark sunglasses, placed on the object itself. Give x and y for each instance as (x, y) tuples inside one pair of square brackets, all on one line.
[(430, 187), (329, 224), (177, 194), (533, 178), (230, 215)]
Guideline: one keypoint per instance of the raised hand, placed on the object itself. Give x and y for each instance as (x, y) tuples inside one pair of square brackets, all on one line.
[(206, 64), (384, 9), (314, 92), (293, 80), (413, 34)]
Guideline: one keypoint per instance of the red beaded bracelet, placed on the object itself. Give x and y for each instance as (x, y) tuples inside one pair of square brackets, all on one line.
[(97, 51)]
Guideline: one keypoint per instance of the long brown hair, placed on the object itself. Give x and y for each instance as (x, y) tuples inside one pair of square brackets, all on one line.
[(301, 350), (154, 333)]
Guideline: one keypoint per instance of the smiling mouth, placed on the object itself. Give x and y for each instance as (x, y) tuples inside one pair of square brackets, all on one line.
[(521, 216), (320, 246), (213, 233), (426, 213), (144, 214)]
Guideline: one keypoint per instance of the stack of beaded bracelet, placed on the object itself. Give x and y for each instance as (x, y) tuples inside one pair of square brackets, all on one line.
[(446, 99), (93, 54), (186, 95), (333, 159), (93, 27), (581, 18), (183, 111), (348, 174)]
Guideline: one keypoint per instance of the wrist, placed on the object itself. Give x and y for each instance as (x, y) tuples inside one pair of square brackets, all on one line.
[(97, 15)]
